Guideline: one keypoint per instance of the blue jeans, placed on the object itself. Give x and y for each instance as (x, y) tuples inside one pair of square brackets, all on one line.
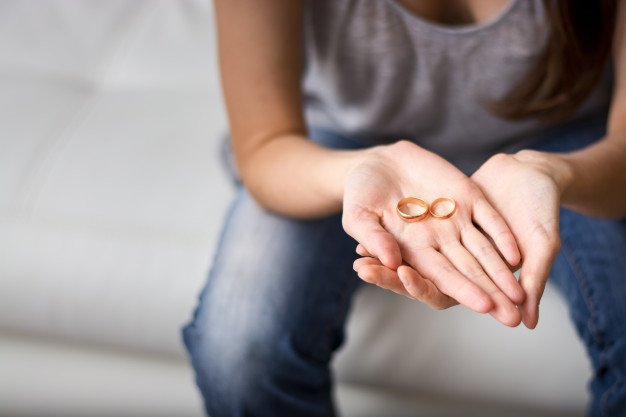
[(274, 307)]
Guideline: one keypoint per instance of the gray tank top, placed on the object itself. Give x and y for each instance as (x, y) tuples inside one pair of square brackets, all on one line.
[(378, 73)]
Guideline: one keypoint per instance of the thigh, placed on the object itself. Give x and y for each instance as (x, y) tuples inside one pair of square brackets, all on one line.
[(272, 313), (590, 271), (572, 135), (275, 276), (273, 309), (272, 274)]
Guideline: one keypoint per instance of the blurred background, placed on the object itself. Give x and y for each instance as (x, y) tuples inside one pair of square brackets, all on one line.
[(112, 194)]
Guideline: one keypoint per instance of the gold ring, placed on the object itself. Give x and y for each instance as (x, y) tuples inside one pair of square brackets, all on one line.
[(412, 217), (439, 201)]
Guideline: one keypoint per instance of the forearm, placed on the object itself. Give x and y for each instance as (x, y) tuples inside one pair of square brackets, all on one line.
[(597, 186), (296, 177)]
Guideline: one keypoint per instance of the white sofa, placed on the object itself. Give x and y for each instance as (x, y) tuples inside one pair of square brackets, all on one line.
[(111, 198)]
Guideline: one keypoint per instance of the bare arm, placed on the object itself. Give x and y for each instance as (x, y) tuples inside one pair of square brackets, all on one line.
[(260, 54), (593, 180)]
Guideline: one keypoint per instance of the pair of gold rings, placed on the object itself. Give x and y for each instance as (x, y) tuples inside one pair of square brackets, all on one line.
[(434, 209)]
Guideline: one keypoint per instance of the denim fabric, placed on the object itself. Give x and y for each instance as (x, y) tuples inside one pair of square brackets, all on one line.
[(274, 307)]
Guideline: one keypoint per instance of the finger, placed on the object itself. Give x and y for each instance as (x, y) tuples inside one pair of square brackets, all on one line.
[(365, 228), (494, 225), (364, 261), (372, 271), (436, 267), (360, 249), (538, 259), (423, 290), (484, 252), (504, 310), (413, 285)]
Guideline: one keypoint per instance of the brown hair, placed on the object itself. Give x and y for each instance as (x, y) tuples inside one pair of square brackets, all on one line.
[(573, 61)]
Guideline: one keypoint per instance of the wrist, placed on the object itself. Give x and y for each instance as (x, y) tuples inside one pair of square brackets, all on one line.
[(557, 166), (353, 159), (298, 177)]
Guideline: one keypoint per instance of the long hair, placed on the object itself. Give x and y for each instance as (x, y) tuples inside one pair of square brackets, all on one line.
[(575, 56)]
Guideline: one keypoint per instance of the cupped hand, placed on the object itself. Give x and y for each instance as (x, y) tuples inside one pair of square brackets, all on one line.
[(525, 190), (446, 260)]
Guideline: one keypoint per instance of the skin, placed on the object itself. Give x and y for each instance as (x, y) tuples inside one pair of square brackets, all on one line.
[(439, 263), (452, 254)]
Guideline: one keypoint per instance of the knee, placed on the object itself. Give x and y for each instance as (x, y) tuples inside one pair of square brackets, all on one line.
[(232, 361), (244, 367), (220, 360)]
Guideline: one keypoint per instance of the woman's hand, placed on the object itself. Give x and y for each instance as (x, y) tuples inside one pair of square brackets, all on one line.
[(525, 188), (446, 260)]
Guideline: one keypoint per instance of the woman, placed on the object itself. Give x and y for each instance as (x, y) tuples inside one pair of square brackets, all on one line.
[(512, 108)]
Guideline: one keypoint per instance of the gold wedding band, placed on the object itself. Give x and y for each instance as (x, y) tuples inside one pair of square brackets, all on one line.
[(412, 217), (446, 214)]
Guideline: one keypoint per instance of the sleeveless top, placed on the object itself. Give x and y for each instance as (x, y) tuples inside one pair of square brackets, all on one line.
[(376, 72)]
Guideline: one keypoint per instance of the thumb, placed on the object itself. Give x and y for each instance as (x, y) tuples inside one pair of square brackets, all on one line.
[(366, 229)]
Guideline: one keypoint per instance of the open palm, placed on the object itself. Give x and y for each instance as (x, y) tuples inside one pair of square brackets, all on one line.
[(446, 260)]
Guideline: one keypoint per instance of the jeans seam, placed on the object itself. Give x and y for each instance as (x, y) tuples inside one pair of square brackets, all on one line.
[(593, 328)]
